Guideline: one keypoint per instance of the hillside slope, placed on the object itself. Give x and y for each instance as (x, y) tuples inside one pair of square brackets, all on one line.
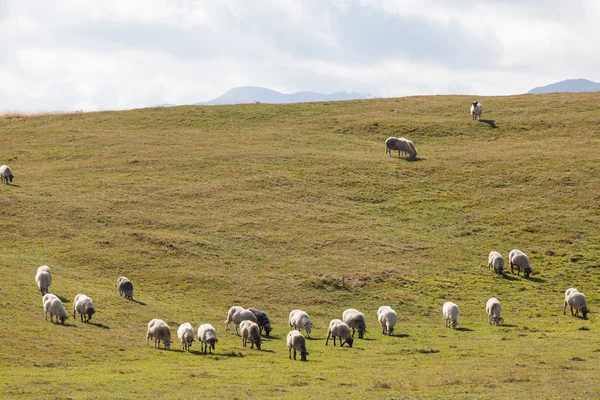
[(297, 206)]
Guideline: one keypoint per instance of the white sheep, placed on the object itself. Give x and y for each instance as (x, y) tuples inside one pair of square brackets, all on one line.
[(493, 308), (207, 336), (185, 334), (355, 320), (6, 174), (402, 145), (387, 318), (43, 277), (576, 300), (476, 110), (412, 150), (54, 306), (160, 332), (496, 262), (338, 328), (300, 320), (125, 287), (296, 342), (84, 306), (237, 314), (519, 259), (250, 331), (450, 311), (46, 298)]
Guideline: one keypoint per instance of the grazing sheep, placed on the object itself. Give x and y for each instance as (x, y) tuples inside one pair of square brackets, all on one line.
[(387, 318), (339, 328), (576, 300), (43, 279), (207, 336), (355, 320), (6, 174), (296, 341), (159, 331), (84, 306), (476, 110), (299, 319), (567, 293), (54, 306), (262, 319), (250, 331), (46, 298), (402, 145), (519, 259), (185, 334), (450, 311), (493, 310), (150, 325), (496, 262), (412, 150), (125, 287), (236, 315)]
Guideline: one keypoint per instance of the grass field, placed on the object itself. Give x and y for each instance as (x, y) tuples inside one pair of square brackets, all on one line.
[(297, 206)]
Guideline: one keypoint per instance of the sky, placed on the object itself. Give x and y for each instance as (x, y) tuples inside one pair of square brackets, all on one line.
[(66, 55)]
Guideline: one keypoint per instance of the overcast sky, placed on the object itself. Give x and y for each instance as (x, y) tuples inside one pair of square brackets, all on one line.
[(62, 55)]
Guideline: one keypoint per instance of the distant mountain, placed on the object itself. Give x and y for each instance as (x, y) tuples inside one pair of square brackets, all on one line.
[(570, 85), (251, 94)]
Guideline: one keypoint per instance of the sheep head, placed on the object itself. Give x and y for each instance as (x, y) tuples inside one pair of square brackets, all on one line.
[(303, 355)]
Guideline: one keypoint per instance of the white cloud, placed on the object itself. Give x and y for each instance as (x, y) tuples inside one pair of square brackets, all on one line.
[(84, 54)]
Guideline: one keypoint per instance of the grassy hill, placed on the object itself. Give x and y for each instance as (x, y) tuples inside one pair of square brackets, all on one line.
[(297, 206)]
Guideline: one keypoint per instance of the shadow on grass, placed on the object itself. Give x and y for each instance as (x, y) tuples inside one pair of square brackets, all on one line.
[(66, 324), (508, 277), (490, 122), (141, 303), (414, 159), (271, 337), (401, 335), (98, 325), (463, 329), (12, 184), (508, 326), (63, 299), (368, 339), (538, 280)]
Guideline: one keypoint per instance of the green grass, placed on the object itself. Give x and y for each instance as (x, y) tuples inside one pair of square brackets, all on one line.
[(274, 206)]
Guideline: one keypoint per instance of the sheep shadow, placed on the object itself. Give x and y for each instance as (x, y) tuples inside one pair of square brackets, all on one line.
[(416, 159), (401, 335), (490, 122), (98, 325), (508, 277), (63, 299), (463, 329), (367, 339), (141, 303), (508, 326), (537, 280), (12, 184), (66, 325)]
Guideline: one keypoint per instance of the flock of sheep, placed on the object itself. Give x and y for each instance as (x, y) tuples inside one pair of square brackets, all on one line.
[(251, 323)]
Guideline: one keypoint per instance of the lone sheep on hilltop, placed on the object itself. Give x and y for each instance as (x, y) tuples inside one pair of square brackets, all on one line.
[(476, 110)]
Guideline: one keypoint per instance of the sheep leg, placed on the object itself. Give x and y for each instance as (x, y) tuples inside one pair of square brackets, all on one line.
[(353, 333), (328, 335), (294, 354), (565, 309)]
